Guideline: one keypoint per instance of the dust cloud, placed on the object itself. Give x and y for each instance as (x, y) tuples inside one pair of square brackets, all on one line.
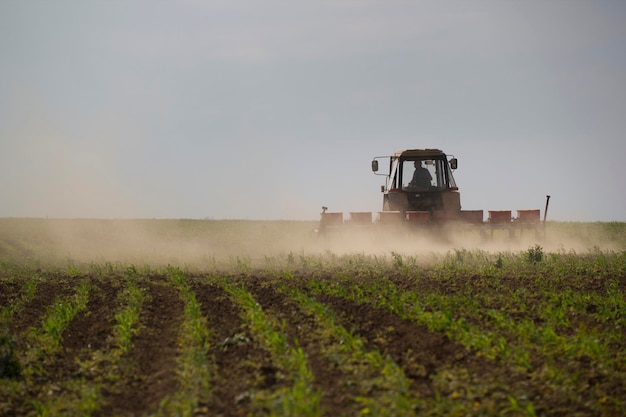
[(440, 240), (218, 243)]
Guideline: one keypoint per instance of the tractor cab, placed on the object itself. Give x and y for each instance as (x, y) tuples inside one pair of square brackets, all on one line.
[(419, 180)]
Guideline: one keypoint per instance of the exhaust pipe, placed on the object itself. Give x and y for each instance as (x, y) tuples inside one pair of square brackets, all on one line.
[(545, 214)]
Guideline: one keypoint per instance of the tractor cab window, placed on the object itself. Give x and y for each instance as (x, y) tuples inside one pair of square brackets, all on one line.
[(424, 174)]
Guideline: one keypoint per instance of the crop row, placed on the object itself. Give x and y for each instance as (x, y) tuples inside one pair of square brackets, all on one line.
[(467, 336)]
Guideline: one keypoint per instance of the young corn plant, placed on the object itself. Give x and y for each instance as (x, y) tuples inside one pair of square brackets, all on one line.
[(127, 319), (17, 305), (394, 398), (82, 396), (46, 342), (301, 399), (407, 306), (59, 316), (194, 367)]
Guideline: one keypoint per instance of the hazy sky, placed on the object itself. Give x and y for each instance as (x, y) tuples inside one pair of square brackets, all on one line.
[(271, 109)]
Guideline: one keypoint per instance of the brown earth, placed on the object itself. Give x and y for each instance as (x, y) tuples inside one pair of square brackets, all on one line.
[(92, 328), (8, 292)]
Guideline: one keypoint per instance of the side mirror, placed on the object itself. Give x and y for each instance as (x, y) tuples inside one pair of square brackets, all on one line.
[(454, 163), (375, 165)]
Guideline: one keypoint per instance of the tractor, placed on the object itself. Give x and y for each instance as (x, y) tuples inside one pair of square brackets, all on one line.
[(419, 180), (420, 190)]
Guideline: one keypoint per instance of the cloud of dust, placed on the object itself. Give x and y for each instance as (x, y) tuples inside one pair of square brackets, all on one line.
[(218, 243), (142, 242), (440, 240)]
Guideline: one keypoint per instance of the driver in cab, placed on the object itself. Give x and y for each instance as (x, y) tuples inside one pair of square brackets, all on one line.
[(421, 176)]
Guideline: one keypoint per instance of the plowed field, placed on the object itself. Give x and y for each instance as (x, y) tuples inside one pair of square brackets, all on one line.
[(363, 355), (465, 333)]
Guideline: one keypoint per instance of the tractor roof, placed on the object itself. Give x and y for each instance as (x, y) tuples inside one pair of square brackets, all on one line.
[(419, 152)]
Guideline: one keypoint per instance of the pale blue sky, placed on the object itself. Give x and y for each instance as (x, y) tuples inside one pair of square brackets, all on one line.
[(269, 110)]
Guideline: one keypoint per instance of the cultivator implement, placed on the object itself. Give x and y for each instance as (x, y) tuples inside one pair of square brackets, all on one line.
[(526, 221)]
